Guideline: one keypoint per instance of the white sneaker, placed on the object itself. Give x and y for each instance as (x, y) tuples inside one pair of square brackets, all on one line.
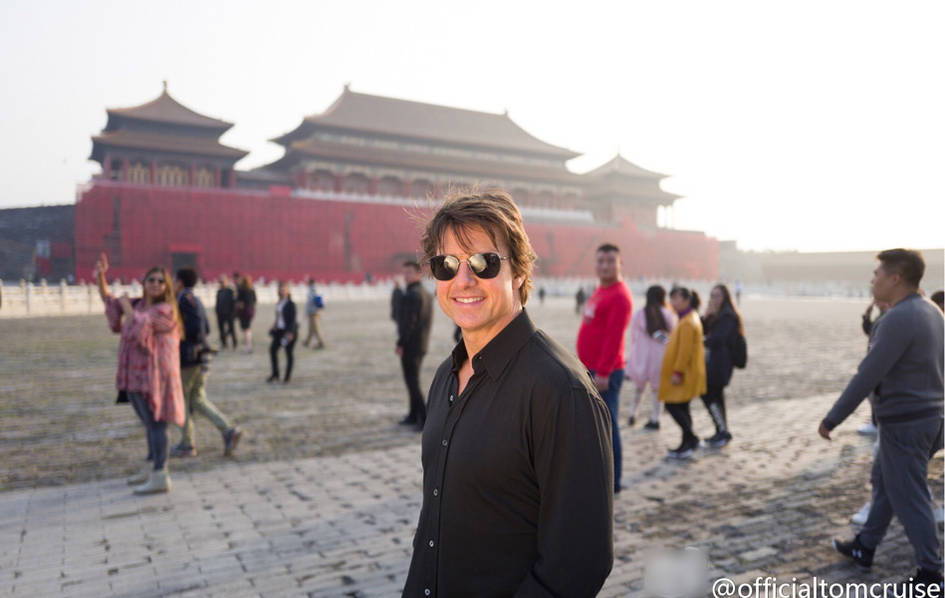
[(143, 474), (157, 482), (867, 429), (861, 516)]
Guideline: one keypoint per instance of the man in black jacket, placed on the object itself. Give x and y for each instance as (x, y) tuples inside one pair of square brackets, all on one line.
[(284, 333), (194, 362), (226, 311), (414, 317), (518, 473)]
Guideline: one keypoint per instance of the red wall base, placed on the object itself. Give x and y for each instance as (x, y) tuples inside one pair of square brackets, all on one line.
[(288, 237)]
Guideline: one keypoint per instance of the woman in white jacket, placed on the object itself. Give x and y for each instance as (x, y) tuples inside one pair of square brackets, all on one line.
[(649, 331)]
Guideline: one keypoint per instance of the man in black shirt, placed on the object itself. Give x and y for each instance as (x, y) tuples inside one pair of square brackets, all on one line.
[(414, 317), (517, 460), (226, 311)]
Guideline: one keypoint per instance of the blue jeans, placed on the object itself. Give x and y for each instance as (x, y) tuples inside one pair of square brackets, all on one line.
[(155, 432), (611, 397)]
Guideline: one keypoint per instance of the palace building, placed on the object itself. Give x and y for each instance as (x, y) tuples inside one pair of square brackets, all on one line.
[(346, 200)]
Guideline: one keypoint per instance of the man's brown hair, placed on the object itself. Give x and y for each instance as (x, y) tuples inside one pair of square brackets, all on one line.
[(493, 211), (907, 263)]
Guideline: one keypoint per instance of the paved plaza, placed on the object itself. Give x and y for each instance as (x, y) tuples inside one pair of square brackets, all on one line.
[(323, 495)]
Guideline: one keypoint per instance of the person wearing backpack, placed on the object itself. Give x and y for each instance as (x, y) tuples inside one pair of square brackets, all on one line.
[(314, 304), (724, 350)]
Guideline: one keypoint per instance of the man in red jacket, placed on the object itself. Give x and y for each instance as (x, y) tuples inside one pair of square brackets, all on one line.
[(600, 339)]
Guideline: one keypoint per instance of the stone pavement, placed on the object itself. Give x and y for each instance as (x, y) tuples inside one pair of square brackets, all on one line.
[(59, 423), (324, 493), (768, 504)]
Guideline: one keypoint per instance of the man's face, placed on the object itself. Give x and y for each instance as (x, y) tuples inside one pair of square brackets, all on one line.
[(223, 280), (608, 265), (411, 275), (479, 306), (884, 283)]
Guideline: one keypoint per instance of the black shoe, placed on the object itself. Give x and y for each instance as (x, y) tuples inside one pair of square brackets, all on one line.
[(272, 379), (408, 421), (652, 425), (861, 555), (418, 426), (719, 440), (685, 449), (631, 421), (230, 439)]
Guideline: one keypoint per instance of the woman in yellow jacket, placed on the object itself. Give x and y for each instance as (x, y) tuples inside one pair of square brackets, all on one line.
[(682, 377)]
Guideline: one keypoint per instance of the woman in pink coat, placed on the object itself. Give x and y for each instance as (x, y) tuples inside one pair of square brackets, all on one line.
[(649, 331), (148, 365)]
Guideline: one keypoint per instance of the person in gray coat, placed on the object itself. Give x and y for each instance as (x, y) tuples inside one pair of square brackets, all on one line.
[(904, 367)]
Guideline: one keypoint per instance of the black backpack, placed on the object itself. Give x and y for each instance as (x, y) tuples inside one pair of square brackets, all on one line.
[(739, 350)]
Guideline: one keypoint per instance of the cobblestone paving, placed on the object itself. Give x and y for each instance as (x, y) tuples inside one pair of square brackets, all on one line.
[(323, 497)]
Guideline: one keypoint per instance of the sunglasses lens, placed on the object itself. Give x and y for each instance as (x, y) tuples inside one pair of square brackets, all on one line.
[(477, 262), (491, 264), (444, 267)]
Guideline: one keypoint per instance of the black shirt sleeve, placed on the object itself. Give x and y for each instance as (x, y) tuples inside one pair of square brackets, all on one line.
[(573, 463)]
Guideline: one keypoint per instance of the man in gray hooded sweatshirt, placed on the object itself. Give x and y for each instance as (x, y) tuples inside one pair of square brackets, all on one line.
[(904, 366)]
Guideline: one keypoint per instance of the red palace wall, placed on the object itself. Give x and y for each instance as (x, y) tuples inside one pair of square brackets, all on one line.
[(280, 236)]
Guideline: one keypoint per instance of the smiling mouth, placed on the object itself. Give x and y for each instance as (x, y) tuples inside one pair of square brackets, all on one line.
[(467, 300)]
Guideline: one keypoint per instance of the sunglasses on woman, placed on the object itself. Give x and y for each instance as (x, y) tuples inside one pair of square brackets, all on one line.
[(154, 280), (483, 265)]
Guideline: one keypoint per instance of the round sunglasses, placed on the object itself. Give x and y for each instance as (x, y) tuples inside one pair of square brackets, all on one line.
[(483, 265), (154, 280)]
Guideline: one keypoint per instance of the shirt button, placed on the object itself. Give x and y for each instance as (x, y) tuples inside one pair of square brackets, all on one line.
[(426, 592), (431, 543), (445, 442), (436, 492)]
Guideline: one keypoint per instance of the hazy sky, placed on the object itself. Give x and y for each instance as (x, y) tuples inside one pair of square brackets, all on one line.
[(786, 125)]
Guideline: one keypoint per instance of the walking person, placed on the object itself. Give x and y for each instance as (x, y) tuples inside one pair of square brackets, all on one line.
[(225, 306), (682, 376), (284, 333), (148, 365), (579, 298), (314, 304), (517, 471), (414, 320), (650, 328), (721, 325), (869, 428), (905, 367), (195, 355), (246, 309), (600, 340)]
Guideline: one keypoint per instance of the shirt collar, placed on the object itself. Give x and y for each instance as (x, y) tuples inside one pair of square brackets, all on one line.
[(495, 356)]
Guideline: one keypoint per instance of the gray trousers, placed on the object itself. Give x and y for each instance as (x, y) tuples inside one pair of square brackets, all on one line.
[(900, 488)]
